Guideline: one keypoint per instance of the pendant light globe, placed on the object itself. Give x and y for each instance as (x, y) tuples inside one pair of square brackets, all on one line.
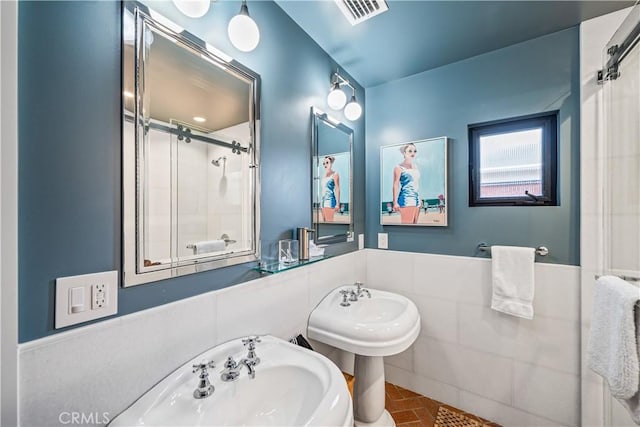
[(336, 98), (243, 31)]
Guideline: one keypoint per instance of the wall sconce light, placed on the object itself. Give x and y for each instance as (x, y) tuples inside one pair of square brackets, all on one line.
[(243, 31), (192, 8), (337, 98)]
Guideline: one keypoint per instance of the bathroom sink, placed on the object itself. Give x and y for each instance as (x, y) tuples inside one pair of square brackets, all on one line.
[(371, 324), (292, 386), (382, 325)]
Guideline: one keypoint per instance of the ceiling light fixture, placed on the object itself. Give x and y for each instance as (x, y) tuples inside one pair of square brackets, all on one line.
[(199, 119), (243, 31), (337, 98)]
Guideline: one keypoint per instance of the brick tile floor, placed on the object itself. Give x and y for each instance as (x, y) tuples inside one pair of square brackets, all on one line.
[(410, 409)]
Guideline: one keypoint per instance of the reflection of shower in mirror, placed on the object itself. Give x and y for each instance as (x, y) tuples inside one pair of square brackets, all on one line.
[(216, 162)]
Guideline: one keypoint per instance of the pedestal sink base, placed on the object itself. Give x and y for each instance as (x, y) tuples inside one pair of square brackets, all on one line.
[(368, 392), (385, 420)]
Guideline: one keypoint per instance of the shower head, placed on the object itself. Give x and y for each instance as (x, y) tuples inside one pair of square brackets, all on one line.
[(217, 161)]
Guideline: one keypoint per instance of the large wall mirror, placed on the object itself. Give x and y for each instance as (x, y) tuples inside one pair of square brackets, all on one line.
[(331, 168), (190, 152)]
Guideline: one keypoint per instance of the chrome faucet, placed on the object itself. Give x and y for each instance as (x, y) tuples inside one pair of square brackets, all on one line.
[(249, 364), (353, 294), (232, 368), (205, 388)]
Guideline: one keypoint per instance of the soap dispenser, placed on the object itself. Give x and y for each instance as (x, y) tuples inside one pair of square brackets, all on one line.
[(303, 239)]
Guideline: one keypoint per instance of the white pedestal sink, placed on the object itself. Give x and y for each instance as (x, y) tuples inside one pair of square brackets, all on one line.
[(383, 325), (292, 386)]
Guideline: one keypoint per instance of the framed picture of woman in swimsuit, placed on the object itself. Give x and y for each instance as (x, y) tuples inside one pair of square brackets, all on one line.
[(332, 198), (413, 183)]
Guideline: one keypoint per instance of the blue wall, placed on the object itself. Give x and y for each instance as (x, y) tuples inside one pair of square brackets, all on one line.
[(530, 77), (70, 141)]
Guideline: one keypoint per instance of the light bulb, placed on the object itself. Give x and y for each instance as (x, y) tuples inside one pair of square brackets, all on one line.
[(192, 8), (353, 110), (336, 98), (243, 31)]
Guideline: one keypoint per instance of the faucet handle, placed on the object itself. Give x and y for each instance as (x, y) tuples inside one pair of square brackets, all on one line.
[(345, 297), (203, 366), (360, 291), (251, 342)]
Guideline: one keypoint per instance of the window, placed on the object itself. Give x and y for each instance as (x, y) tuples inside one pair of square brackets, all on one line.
[(513, 161)]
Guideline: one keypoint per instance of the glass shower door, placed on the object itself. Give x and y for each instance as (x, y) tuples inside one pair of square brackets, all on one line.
[(621, 188), (622, 128)]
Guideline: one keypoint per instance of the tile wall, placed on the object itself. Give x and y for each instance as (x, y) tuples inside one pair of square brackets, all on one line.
[(513, 371), (105, 366)]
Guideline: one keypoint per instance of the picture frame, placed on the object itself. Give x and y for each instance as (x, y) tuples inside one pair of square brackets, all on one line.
[(413, 183)]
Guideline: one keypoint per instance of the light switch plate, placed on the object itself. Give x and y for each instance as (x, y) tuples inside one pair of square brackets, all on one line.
[(383, 241), (361, 241), (100, 297)]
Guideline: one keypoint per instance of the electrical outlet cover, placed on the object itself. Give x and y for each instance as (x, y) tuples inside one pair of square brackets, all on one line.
[(100, 297), (383, 241)]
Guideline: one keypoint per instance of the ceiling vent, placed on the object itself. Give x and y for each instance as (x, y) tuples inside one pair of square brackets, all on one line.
[(357, 11)]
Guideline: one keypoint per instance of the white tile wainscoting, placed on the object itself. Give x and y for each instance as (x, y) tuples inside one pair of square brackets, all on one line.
[(512, 371), (104, 367)]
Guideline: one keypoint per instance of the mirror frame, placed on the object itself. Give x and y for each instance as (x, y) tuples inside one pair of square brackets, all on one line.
[(318, 116), (133, 273)]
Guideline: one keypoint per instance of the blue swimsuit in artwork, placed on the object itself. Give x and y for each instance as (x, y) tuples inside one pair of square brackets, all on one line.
[(328, 194), (408, 194)]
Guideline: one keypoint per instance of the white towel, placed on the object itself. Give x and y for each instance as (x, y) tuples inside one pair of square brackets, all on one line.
[(207, 246), (513, 280), (613, 340)]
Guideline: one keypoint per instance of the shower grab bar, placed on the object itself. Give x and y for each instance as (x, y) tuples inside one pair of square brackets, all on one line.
[(540, 250)]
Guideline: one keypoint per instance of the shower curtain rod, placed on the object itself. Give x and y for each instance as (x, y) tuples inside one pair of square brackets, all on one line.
[(617, 52), (234, 146)]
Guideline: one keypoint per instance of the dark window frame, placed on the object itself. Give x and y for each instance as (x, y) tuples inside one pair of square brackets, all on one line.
[(548, 121)]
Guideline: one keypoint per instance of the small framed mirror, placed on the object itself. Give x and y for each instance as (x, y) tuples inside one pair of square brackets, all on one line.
[(190, 152), (331, 170)]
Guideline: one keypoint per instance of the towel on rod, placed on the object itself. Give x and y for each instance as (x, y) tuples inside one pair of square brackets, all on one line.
[(513, 280), (612, 351), (207, 246)]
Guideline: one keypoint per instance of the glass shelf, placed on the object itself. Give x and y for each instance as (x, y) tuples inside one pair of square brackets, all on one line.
[(276, 267)]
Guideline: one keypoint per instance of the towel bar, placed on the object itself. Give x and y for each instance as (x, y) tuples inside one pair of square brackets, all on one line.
[(540, 250), (225, 237)]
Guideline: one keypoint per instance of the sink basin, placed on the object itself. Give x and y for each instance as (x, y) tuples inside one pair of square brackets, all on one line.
[(292, 386), (382, 325)]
